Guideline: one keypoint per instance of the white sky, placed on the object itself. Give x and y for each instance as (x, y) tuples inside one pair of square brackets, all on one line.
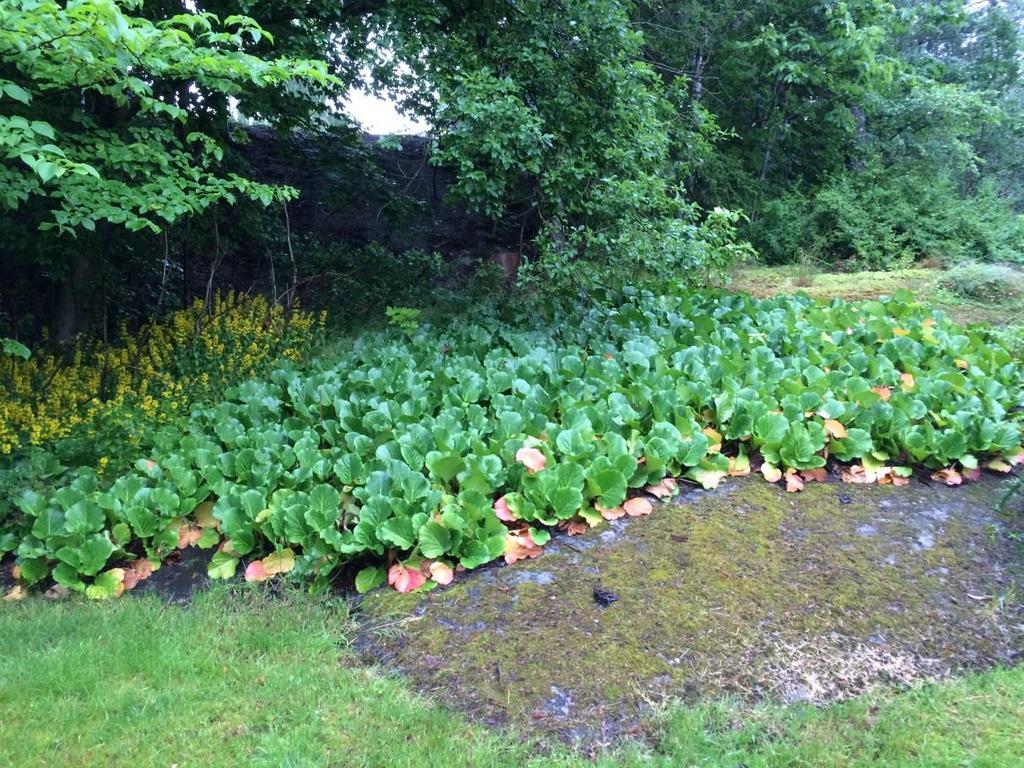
[(379, 115)]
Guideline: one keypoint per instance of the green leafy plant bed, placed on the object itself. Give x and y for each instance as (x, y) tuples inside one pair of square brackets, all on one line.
[(418, 453)]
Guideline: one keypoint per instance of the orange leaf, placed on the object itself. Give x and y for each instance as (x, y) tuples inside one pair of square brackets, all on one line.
[(714, 440), (519, 546), (17, 592), (405, 579), (739, 466), (575, 526), (610, 514), (907, 381), (188, 535), (835, 428), (884, 392), (638, 507), (663, 489), (900, 332), (531, 458), (816, 475), (136, 571), (948, 476), (961, 364), (793, 481), (203, 513), (857, 474)]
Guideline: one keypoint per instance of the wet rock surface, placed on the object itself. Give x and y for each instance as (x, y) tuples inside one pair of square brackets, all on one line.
[(745, 591)]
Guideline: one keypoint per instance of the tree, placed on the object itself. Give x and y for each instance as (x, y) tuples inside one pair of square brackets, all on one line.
[(106, 121)]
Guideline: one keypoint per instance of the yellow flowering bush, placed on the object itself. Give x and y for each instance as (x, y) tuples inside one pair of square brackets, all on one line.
[(190, 355)]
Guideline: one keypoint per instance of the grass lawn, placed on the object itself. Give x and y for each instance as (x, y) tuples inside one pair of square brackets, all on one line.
[(925, 284), (242, 678)]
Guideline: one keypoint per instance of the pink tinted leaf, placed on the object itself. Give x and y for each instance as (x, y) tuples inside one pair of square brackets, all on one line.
[(255, 571), (405, 579), (531, 458), (501, 509)]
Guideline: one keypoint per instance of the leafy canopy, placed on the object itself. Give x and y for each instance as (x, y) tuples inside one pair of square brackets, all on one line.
[(95, 125)]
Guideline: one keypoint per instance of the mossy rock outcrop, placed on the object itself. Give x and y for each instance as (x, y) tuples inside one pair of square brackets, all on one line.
[(746, 591)]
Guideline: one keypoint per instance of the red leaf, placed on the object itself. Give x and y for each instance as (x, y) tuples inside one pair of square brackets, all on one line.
[(405, 579), (502, 511), (638, 507), (972, 474), (531, 458), (255, 571)]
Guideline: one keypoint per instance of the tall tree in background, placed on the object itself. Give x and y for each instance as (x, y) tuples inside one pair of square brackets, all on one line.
[(106, 120), (857, 133)]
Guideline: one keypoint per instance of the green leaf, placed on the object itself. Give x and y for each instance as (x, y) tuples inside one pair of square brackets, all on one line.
[(222, 566), (324, 508), (106, 585), (369, 578), (397, 531), (434, 540)]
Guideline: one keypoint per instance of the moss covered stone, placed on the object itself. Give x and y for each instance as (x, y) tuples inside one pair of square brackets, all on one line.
[(745, 591)]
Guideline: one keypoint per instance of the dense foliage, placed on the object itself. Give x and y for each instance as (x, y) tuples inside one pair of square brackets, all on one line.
[(605, 142), (859, 134), (99, 403), (456, 445)]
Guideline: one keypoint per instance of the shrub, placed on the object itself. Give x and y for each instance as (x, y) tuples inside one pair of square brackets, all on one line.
[(886, 219), (986, 283), (106, 394)]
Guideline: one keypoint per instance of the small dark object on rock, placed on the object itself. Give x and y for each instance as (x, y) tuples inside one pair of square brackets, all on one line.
[(844, 499), (604, 597)]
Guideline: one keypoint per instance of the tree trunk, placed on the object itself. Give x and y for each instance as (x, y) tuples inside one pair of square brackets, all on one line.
[(72, 302)]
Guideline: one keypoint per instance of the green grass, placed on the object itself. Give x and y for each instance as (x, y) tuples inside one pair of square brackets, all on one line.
[(244, 679), (925, 284)]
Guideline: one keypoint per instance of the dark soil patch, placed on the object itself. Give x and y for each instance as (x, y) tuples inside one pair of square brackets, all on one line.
[(179, 577), (746, 591)]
